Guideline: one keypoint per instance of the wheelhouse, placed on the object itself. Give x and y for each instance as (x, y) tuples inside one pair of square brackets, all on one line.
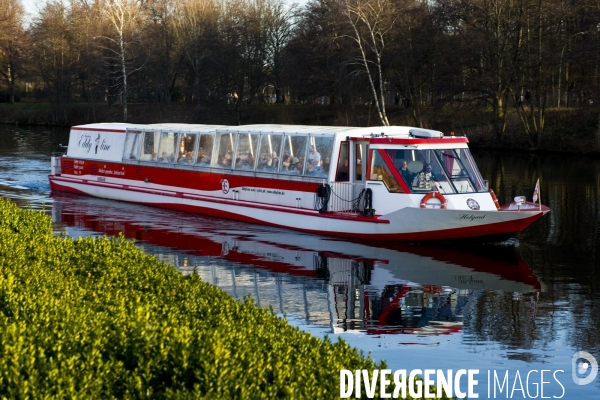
[(447, 170)]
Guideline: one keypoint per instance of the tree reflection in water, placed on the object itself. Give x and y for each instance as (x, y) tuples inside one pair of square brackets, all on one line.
[(531, 312)]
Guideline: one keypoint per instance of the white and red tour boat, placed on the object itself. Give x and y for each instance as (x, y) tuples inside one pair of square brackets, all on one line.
[(379, 183)]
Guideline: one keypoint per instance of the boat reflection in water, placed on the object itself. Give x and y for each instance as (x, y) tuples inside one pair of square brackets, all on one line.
[(348, 286)]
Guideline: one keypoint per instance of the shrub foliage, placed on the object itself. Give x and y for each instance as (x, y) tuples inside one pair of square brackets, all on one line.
[(98, 318)]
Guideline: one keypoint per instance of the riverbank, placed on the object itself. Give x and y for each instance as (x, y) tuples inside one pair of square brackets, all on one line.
[(566, 130), (98, 318)]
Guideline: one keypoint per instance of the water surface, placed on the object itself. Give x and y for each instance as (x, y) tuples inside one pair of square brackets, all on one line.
[(523, 305)]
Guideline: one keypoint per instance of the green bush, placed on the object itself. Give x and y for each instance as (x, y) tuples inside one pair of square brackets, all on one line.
[(98, 318)]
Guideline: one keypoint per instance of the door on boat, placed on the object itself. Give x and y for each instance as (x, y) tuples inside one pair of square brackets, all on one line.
[(350, 174), (358, 156)]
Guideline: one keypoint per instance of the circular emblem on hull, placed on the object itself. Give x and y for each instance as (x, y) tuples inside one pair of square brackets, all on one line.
[(473, 205), (225, 185)]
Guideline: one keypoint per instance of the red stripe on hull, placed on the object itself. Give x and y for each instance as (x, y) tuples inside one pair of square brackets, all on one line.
[(184, 178), (215, 200), (481, 232)]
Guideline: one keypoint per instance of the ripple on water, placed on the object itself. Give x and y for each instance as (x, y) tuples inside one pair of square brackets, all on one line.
[(552, 312)]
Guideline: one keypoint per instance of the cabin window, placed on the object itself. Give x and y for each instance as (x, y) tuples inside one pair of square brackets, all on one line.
[(187, 148), (246, 148), (343, 164), (381, 172), (358, 156), (132, 145), (149, 146), (319, 156), (294, 150), (421, 170), (268, 153), (460, 167), (224, 150), (205, 150), (167, 147)]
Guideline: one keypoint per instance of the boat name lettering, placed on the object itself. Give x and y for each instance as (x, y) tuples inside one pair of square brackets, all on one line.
[(86, 142), (110, 172), (104, 146), (259, 190), (471, 217), (467, 279)]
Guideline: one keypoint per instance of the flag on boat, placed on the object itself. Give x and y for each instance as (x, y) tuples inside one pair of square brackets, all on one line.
[(536, 191)]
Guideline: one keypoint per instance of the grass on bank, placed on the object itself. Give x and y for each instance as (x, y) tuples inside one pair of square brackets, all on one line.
[(98, 318)]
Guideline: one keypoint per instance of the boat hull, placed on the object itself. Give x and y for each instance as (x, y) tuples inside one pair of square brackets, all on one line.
[(408, 224)]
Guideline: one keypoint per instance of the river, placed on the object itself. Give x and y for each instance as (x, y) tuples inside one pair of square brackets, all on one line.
[(521, 307)]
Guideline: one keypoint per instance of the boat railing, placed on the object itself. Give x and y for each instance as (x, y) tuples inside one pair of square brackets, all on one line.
[(347, 197)]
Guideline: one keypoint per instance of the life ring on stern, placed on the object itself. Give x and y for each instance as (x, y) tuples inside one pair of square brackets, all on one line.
[(432, 195), (496, 202)]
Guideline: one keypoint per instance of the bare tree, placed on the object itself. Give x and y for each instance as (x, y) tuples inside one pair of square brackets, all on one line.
[(11, 38), (195, 25), (122, 38), (54, 55), (371, 21), (280, 28), (164, 61)]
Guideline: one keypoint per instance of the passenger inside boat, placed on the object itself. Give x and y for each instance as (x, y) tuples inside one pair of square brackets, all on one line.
[(225, 162), (342, 173), (204, 161), (313, 155), (285, 165), (297, 168), (405, 173), (425, 180), (188, 145), (165, 158), (325, 166)]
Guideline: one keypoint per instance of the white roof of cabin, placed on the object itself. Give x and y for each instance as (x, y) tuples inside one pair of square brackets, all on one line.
[(323, 130), (271, 128), (109, 125)]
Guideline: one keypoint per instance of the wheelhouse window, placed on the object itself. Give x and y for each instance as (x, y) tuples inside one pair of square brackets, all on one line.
[(445, 170), (294, 151), (246, 148), (224, 150), (381, 172), (343, 164), (268, 153), (149, 146), (358, 153), (461, 168), (132, 144), (187, 148), (428, 173), (205, 150)]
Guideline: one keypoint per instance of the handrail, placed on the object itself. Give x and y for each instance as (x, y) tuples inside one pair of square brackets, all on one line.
[(346, 197)]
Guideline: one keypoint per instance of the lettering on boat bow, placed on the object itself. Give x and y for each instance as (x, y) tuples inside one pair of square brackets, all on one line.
[(471, 217)]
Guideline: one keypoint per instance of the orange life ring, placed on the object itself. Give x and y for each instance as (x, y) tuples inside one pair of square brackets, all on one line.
[(496, 202), (432, 195)]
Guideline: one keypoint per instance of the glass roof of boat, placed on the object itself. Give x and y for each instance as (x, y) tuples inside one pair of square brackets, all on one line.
[(366, 132)]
